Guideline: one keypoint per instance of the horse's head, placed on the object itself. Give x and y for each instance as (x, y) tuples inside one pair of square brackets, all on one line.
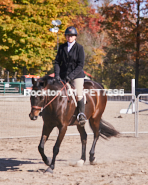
[(37, 98)]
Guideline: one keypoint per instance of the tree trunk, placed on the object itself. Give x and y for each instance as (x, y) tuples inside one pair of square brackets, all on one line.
[(137, 47), (24, 70), (136, 72)]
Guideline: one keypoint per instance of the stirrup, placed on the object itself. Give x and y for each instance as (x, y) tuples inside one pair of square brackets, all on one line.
[(81, 121)]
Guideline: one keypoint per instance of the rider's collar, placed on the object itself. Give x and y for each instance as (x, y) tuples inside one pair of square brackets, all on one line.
[(70, 45)]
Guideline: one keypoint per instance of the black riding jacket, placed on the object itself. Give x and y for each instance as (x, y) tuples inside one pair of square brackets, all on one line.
[(70, 63)]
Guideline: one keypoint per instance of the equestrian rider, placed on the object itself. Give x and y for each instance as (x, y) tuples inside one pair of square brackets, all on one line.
[(69, 64)]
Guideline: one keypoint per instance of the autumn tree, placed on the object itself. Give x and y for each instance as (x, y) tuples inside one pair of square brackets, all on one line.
[(92, 41), (6, 6), (126, 25), (25, 37)]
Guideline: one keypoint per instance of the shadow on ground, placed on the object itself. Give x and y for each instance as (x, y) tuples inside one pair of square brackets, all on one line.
[(13, 164)]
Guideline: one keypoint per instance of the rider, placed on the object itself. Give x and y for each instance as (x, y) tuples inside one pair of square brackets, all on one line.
[(69, 64)]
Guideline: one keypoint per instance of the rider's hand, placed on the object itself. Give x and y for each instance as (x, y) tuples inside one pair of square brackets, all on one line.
[(57, 78), (68, 79)]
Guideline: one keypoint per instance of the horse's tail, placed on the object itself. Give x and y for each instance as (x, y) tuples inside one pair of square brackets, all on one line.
[(107, 130)]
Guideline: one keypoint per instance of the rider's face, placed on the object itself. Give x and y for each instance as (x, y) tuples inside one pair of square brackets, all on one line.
[(70, 38)]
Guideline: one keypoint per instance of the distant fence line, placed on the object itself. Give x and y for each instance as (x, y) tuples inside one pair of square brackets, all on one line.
[(11, 87), (16, 109)]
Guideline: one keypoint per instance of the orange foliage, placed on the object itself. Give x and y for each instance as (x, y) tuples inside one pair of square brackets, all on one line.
[(91, 22), (6, 6)]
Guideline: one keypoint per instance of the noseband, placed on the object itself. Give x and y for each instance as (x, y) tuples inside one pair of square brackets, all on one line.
[(36, 107), (41, 108)]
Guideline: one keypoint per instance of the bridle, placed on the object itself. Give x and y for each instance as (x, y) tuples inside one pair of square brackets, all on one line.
[(41, 108)]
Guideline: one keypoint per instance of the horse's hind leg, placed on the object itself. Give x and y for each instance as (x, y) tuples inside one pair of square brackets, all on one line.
[(95, 127), (45, 134), (83, 136)]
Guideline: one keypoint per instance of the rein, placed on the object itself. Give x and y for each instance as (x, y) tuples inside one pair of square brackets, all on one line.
[(41, 108)]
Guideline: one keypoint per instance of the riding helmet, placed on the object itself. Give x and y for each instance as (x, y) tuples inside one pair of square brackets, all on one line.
[(71, 31)]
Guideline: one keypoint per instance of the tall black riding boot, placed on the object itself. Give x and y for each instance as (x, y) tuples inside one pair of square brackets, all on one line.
[(81, 116)]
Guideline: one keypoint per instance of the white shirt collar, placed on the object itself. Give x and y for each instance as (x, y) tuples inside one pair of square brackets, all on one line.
[(70, 45)]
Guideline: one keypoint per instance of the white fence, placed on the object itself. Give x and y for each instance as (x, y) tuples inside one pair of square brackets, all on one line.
[(15, 121), (137, 112)]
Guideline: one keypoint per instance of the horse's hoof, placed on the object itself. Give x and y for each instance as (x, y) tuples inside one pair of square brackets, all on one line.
[(77, 164), (49, 170), (48, 161), (80, 162), (94, 162)]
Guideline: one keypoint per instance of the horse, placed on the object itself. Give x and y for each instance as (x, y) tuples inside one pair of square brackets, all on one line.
[(60, 111)]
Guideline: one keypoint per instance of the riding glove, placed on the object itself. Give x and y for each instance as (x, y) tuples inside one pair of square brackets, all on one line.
[(68, 79), (57, 78)]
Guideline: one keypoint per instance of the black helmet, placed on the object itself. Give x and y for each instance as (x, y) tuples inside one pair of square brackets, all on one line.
[(71, 30)]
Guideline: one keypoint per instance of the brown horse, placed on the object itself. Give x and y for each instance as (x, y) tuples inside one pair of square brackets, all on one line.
[(60, 111)]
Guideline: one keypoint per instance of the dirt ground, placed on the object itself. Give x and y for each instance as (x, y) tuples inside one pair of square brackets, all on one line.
[(120, 161)]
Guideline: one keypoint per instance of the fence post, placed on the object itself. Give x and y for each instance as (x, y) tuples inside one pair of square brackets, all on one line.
[(20, 89), (133, 97), (4, 88), (136, 117)]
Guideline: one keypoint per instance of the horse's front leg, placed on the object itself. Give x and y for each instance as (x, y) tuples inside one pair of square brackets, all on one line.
[(56, 147), (45, 134)]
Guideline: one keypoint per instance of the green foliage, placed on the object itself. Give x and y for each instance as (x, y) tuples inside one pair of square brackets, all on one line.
[(26, 41), (25, 37)]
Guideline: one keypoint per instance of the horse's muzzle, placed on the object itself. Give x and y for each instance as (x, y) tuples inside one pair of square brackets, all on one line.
[(33, 117)]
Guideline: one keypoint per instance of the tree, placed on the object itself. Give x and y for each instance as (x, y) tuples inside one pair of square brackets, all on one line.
[(25, 37), (6, 6), (126, 25), (92, 41)]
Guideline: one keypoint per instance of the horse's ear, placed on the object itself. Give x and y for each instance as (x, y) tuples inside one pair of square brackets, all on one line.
[(33, 80)]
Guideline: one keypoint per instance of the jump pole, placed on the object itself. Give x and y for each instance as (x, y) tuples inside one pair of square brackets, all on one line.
[(132, 101)]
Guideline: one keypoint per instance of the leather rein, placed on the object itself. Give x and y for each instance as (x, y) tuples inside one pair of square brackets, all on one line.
[(41, 108)]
